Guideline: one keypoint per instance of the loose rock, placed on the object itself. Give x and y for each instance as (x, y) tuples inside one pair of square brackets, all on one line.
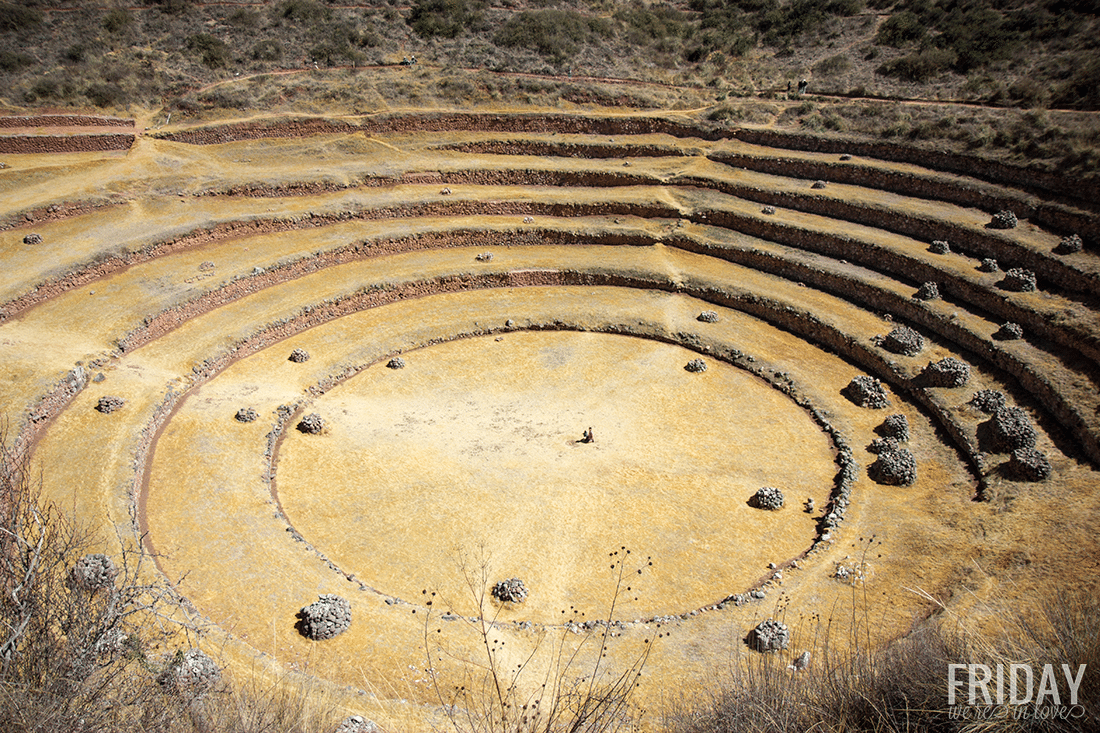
[(484, 257), (328, 616), (511, 590), (866, 391)]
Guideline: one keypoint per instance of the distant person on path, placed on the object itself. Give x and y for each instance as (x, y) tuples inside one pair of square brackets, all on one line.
[(802, 87)]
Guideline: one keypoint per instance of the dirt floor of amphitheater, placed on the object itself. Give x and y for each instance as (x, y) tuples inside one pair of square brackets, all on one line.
[(472, 450)]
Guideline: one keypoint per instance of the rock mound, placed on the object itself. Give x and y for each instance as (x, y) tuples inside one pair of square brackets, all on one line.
[(866, 391), (1003, 219), (1069, 245), (896, 426), (940, 247), (93, 571), (1011, 429), (707, 317), (1018, 280), (32, 239), (1009, 332), (511, 590), (768, 497), (1028, 464), (328, 616), (988, 400), (246, 414), (989, 265), (312, 424), (928, 291), (947, 372), (903, 340), (396, 363), (894, 468), (191, 673), (769, 636), (109, 403), (696, 365), (298, 356)]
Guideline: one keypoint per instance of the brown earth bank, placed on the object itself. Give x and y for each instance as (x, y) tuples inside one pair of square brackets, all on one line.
[(61, 120), (39, 144)]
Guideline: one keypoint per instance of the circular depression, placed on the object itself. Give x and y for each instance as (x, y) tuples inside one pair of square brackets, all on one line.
[(471, 457)]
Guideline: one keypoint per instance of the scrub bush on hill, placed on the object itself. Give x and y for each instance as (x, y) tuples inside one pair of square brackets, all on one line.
[(214, 52), (554, 33), (15, 17), (444, 18)]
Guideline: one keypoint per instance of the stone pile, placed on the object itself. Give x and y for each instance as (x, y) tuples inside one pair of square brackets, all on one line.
[(894, 468), (396, 363), (312, 424), (696, 365), (1069, 245), (989, 265), (1009, 332), (1003, 219), (947, 372), (328, 616), (246, 414), (940, 247), (707, 317), (769, 636), (32, 239), (928, 291), (1029, 464), (866, 391), (93, 571), (903, 340), (1018, 280), (357, 724), (1011, 429), (768, 497), (885, 444), (896, 426), (511, 590), (819, 184), (191, 673), (988, 400), (768, 210), (298, 356), (109, 403)]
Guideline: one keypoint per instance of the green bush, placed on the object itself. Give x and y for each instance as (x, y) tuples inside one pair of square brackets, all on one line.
[(645, 24), (833, 65), (555, 33), (14, 61), (214, 51), (18, 17), (920, 67), (117, 20), (900, 29), (444, 18)]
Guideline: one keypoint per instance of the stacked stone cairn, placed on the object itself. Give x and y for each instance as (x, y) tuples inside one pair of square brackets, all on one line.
[(298, 356), (1029, 464), (1011, 429), (866, 391), (988, 401), (92, 572), (1018, 280), (707, 317), (109, 403), (696, 365), (1069, 245), (32, 239), (947, 372), (928, 291), (328, 616), (940, 247), (396, 363), (246, 414), (1003, 219), (903, 340), (312, 424), (894, 468), (768, 497), (896, 426), (1009, 332), (511, 590), (819, 184), (191, 673), (989, 265), (769, 636)]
